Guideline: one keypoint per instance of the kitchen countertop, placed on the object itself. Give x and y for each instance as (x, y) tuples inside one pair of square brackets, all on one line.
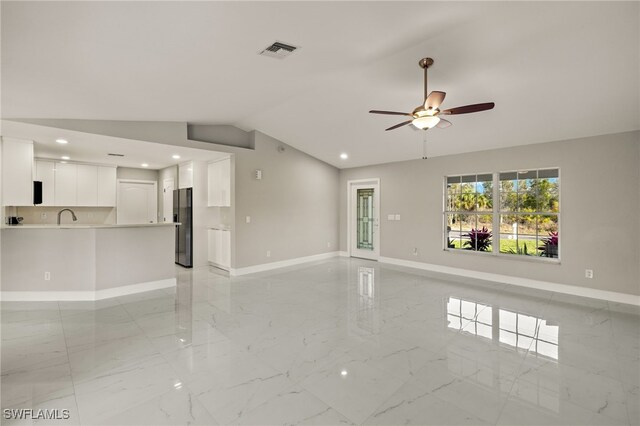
[(86, 226)]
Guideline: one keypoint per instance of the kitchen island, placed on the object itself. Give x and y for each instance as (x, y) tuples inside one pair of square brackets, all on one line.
[(85, 262)]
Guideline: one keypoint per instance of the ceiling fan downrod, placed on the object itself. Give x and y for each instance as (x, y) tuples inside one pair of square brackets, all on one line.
[(425, 63)]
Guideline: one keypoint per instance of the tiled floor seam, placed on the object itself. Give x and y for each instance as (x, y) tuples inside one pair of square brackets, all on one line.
[(75, 399)]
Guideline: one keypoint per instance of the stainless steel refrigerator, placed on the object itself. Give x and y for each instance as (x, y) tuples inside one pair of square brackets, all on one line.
[(183, 214)]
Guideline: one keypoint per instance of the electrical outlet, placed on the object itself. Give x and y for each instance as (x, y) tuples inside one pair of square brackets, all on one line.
[(397, 217), (47, 276), (43, 215), (328, 244), (415, 251), (248, 219), (588, 273), (268, 253)]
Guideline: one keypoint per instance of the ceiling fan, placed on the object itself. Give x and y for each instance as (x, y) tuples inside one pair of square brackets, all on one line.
[(428, 115)]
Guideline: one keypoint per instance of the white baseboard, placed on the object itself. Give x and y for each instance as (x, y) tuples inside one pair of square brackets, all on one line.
[(592, 293), (281, 264), (72, 296), (343, 253), (217, 265)]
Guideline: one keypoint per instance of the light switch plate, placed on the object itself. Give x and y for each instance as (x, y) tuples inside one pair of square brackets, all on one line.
[(248, 219), (397, 217), (391, 217)]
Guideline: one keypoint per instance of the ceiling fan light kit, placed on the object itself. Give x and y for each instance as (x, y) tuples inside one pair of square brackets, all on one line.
[(426, 116), (425, 122)]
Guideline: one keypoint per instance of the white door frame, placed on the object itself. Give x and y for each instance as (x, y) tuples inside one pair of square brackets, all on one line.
[(164, 207), (155, 190), (352, 185)]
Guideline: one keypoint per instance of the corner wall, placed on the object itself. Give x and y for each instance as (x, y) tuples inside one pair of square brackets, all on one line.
[(293, 209), (600, 209)]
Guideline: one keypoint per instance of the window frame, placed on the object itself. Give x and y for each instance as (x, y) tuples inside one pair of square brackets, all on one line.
[(496, 213)]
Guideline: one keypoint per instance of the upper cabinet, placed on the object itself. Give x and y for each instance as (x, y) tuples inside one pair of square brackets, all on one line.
[(17, 172), (45, 173), (219, 178), (66, 181), (106, 186), (87, 185), (70, 184), (64, 184), (185, 175)]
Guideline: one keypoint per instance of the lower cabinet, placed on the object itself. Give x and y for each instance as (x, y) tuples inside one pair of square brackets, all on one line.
[(219, 248)]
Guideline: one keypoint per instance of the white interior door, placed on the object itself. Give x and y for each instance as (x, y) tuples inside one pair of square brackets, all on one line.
[(137, 202), (364, 219), (167, 200)]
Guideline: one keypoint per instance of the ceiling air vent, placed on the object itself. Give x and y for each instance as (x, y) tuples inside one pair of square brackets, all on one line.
[(115, 155), (279, 50)]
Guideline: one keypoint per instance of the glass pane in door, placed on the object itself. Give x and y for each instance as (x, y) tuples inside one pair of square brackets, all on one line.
[(365, 219)]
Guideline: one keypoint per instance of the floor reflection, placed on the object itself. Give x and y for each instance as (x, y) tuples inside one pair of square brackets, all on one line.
[(184, 311), (518, 330), (363, 304)]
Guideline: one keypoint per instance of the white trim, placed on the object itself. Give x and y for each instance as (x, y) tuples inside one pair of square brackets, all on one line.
[(281, 264), (218, 266), (343, 253), (378, 203), (592, 293), (107, 293)]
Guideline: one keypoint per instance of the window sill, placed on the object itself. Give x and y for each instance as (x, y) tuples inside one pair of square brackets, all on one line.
[(524, 258)]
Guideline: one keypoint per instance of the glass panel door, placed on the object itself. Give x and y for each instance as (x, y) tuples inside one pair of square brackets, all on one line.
[(365, 219)]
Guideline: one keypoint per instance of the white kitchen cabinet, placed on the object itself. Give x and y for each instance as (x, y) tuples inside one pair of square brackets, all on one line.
[(45, 173), (106, 186), (66, 190), (185, 175), (87, 185), (17, 172), (219, 183), (219, 253)]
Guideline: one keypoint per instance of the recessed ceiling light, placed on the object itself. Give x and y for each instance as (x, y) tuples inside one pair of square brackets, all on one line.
[(63, 162), (344, 372), (175, 157), (62, 141), (65, 157), (344, 155), (144, 165)]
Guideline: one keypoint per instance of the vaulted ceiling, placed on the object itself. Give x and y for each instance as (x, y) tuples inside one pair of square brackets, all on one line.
[(555, 70)]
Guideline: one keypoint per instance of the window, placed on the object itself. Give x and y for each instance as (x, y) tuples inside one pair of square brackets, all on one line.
[(469, 212), (524, 218), (529, 207)]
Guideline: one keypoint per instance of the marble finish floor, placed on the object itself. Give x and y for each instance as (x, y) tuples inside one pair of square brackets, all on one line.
[(342, 341)]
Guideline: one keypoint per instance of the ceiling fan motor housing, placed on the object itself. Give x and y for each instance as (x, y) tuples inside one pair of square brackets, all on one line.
[(425, 62)]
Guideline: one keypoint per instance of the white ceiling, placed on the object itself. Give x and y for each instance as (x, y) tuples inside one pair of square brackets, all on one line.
[(91, 148), (555, 70)]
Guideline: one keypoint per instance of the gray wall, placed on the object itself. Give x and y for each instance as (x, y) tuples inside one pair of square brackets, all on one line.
[(293, 209), (600, 209)]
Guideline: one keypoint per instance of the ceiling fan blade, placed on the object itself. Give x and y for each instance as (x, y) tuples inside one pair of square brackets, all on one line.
[(443, 124), (404, 123), (373, 111), (434, 100), (468, 109)]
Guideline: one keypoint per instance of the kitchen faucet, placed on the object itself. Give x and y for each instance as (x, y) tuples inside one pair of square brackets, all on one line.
[(73, 215)]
